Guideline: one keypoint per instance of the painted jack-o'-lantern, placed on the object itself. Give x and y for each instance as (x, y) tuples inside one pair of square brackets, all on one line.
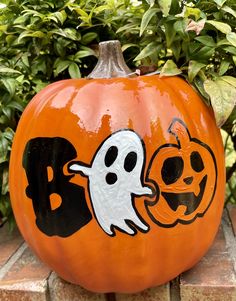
[(117, 182), (186, 173)]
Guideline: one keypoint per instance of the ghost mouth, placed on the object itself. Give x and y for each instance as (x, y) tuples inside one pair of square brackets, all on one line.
[(188, 199)]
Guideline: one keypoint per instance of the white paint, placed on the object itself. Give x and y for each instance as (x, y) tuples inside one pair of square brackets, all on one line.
[(112, 203)]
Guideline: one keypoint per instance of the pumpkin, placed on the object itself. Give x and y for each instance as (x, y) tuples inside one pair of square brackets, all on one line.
[(117, 182)]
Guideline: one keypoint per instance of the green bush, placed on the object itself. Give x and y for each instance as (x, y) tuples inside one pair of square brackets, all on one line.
[(45, 41)]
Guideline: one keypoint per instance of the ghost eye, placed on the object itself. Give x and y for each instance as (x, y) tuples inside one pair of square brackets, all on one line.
[(172, 170), (196, 162), (111, 156), (130, 161)]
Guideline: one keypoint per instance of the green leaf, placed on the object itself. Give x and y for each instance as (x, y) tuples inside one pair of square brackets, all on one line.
[(15, 105), (170, 34), (33, 13), (170, 69), (126, 46), (206, 40), (234, 59), (231, 37), (25, 59), (82, 13), (8, 70), (128, 27), (69, 33), (224, 66), (3, 28), (147, 18), (220, 2), (205, 53), (9, 134), (88, 37), (223, 97), (84, 53), (229, 10), (230, 49), (39, 85), (7, 112), (222, 42), (4, 183), (20, 19), (179, 27), (192, 12), (230, 80), (223, 27), (31, 34), (101, 8), (74, 70), (61, 16), (10, 85), (165, 6), (147, 51), (60, 66), (193, 69), (176, 49), (3, 149)]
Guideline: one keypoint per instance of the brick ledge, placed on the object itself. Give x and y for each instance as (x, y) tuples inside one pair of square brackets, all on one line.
[(24, 278)]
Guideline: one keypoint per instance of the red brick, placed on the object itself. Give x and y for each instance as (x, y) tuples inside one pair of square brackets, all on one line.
[(60, 290), (9, 243), (25, 280), (213, 278), (160, 293), (218, 248), (232, 214)]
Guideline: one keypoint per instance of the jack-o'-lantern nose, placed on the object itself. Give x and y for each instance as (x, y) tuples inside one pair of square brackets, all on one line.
[(188, 180)]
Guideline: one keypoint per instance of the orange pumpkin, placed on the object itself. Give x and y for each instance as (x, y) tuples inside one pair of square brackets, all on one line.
[(96, 169)]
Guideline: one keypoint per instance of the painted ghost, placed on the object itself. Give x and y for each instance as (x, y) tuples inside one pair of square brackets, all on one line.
[(115, 178)]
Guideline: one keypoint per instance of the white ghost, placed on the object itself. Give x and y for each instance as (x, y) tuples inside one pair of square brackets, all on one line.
[(115, 177)]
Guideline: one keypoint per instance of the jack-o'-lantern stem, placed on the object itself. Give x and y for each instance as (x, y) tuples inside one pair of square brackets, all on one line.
[(180, 131), (111, 62)]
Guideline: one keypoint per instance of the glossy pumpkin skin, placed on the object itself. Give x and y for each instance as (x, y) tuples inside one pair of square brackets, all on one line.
[(86, 113)]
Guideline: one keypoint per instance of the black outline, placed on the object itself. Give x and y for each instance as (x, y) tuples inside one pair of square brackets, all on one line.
[(130, 223), (148, 180), (170, 197)]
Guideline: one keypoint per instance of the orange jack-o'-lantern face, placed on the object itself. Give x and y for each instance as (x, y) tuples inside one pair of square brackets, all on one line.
[(186, 174)]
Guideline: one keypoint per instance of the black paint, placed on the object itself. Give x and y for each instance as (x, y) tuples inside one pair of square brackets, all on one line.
[(188, 199), (73, 213), (172, 170), (111, 156), (130, 161), (111, 178), (188, 180), (196, 162)]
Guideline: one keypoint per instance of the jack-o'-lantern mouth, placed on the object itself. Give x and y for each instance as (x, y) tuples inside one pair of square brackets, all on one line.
[(188, 199)]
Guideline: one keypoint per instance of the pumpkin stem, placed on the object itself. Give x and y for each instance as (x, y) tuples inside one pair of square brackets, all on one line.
[(111, 62)]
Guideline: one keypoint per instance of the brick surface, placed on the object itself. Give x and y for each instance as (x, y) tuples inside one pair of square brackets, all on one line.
[(213, 278), (160, 293), (25, 279), (61, 290), (232, 214), (9, 243)]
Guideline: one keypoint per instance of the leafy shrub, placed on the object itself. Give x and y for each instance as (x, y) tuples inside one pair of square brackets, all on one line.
[(45, 41)]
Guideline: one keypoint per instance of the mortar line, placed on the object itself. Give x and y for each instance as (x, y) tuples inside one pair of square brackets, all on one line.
[(229, 237), (174, 289), (10, 262)]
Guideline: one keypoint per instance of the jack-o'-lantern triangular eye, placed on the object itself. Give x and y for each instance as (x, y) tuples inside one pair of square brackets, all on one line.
[(172, 169)]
